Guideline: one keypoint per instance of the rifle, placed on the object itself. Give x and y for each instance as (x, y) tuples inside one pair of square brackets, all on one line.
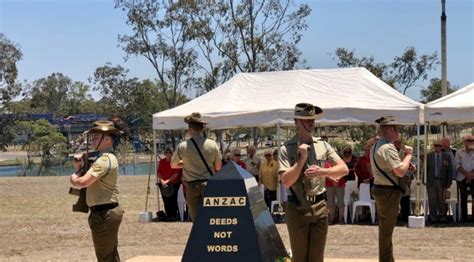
[(88, 159)]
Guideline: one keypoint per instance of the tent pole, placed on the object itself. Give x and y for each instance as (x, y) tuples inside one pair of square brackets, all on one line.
[(254, 135), (425, 167), (155, 153), (417, 203), (279, 176)]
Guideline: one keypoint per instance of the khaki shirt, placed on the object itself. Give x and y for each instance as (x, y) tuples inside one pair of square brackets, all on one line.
[(319, 152), (269, 174), (387, 159), (104, 190), (193, 166)]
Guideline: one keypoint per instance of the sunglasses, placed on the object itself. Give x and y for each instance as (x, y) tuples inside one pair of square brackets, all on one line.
[(438, 145), (268, 154), (237, 155), (470, 140), (168, 152)]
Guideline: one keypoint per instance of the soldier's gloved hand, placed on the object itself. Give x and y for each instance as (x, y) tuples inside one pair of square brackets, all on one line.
[(303, 151), (78, 161), (408, 150)]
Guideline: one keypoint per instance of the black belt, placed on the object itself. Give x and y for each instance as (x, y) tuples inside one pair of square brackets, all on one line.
[(436, 178), (311, 199), (103, 207), (386, 187)]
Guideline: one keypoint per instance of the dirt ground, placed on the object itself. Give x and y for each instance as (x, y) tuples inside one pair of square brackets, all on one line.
[(37, 224)]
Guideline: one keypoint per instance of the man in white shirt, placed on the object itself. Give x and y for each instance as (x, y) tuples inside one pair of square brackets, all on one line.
[(252, 163), (465, 166)]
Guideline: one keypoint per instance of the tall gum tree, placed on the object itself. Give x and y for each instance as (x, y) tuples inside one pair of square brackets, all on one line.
[(10, 54), (246, 36), (404, 72), (160, 35)]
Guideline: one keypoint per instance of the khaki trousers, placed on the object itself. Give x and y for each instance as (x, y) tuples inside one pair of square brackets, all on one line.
[(194, 194), (104, 226), (307, 232), (387, 202)]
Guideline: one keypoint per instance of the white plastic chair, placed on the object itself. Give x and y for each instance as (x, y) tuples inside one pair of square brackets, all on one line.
[(272, 206), (453, 201), (349, 188), (261, 187), (181, 203), (364, 200)]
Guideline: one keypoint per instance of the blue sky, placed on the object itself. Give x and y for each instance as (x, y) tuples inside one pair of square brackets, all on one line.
[(76, 36)]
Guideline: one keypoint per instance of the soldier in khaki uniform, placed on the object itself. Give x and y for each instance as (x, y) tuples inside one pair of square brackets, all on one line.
[(102, 192), (301, 165), (386, 194), (196, 172)]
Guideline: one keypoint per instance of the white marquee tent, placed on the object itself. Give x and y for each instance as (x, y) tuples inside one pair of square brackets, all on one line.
[(457, 107), (347, 96)]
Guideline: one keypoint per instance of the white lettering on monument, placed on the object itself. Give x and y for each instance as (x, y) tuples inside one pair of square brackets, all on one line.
[(222, 234), (228, 201), (224, 201), (222, 248)]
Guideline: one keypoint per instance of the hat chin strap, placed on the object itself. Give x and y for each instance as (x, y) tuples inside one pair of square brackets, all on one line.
[(305, 127), (100, 142)]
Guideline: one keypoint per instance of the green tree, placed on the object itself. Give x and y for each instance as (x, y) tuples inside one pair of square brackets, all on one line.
[(10, 54), (127, 98), (362, 133), (404, 72), (7, 133), (44, 140), (124, 150), (58, 94), (433, 90), (410, 68), (50, 94), (79, 100), (145, 100), (160, 34), (21, 106), (247, 36), (346, 58)]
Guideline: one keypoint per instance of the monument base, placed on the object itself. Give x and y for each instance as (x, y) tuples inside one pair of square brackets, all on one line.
[(178, 259), (416, 221), (145, 216)]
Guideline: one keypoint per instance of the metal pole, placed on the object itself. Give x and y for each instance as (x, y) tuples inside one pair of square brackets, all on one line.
[(279, 177), (148, 184), (425, 167), (417, 203), (444, 81), (254, 135), (156, 168)]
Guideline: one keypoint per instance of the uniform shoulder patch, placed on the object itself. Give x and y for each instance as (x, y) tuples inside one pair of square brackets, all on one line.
[(97, 167), (104, 158)]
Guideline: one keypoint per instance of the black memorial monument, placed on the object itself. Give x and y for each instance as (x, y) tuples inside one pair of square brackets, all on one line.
[(233, 223)]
